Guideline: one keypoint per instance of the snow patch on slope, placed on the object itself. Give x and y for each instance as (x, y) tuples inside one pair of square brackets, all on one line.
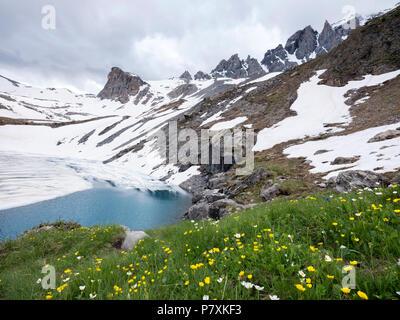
[(384, 155), (316, 106)]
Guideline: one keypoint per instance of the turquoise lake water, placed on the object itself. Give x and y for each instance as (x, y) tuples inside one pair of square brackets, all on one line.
[(139, 210)]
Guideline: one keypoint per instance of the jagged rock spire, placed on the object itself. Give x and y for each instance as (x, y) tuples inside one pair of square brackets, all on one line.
[(121, 85)]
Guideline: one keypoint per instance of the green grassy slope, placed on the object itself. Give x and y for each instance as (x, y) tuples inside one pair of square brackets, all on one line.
[(271, 246)]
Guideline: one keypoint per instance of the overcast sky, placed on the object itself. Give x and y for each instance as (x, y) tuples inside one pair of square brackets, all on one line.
[(155, 39)]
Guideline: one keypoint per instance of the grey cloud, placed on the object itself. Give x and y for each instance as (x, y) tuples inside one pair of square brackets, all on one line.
[(154, 38)]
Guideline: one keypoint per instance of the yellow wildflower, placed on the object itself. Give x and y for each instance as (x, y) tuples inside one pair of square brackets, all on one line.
[(300, 287), (362, 295)]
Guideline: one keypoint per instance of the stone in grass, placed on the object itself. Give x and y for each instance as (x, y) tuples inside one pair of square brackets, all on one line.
[(396, 179), (357, 179), (132, 238), (270, 191)]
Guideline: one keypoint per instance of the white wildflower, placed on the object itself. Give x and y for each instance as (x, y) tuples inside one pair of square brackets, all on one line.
[(274, 297), (247, 285)]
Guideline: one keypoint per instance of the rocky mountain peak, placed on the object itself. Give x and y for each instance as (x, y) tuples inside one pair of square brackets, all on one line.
[(121, 85), (303, 43), (328, 39), (236, 68), (186, 76), (253, 67), (276, 60), (200, 75)]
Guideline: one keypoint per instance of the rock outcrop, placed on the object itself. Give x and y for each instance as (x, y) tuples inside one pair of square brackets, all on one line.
[(396, 179), (277, 60), (307, 44), (235, 68), (186, 76), (357, 179), (303, 43), (344, 160), (200, 75), (387, 135), (270, 190), (121, 85), (328, 39)]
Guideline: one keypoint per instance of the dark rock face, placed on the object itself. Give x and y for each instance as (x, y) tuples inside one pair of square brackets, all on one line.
[(186, 76), (200, 75), (303, 43), (254, 68), (349, 180), (276, 60), (328, 39), (306, 44), (121, 85), (235, 68)]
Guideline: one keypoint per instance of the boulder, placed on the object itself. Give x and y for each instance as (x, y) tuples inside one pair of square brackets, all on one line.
[(387, 135), (396, 179), (270, 191), (357, 179), (218, 181), (199, 211), (195, 184), (132, 238), (343, 160), (259, 175), (222, 208), (208, 196)]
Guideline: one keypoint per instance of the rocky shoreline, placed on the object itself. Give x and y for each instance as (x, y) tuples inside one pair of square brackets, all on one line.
[(212, 199)]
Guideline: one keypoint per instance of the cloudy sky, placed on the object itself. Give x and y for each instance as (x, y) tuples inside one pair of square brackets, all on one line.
[(155, 39)]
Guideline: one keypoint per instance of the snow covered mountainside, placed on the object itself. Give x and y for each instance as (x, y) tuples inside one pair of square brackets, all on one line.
[(337, 112)]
